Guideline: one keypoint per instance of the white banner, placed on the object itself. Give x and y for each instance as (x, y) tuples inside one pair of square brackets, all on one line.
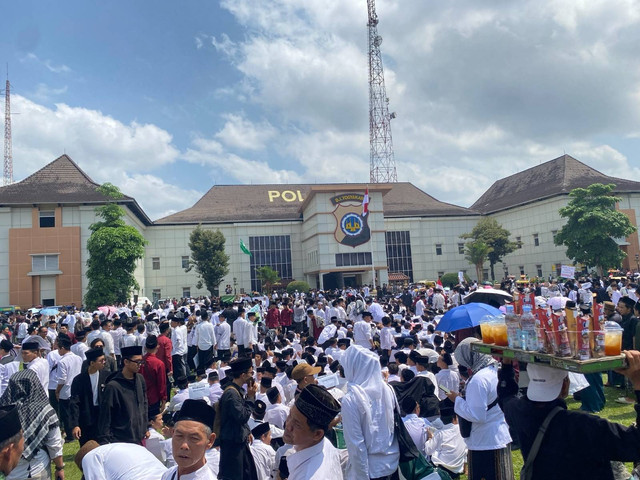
[(568, 271), (461, 277)]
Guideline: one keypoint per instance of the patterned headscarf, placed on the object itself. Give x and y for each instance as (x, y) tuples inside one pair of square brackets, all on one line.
[(36, 415), (474, 361)]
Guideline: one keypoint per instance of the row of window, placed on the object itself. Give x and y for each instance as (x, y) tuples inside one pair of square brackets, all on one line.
[(273, 251), (353, 259), (398, 246), (536, 243)]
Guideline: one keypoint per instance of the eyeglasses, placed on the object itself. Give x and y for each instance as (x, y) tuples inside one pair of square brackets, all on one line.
[(137, 362)]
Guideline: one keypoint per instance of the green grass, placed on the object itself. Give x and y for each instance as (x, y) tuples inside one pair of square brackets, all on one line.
[(613, 411)]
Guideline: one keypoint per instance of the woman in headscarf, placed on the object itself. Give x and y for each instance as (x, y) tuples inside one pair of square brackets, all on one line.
[(367, 418), (488, 440), (42, 439)]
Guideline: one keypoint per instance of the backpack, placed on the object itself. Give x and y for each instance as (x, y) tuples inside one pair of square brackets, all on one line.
[(216, 407)]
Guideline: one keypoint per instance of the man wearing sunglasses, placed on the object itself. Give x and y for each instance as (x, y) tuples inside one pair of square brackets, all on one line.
[(124, 405)]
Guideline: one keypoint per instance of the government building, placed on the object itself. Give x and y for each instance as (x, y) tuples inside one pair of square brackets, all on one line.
[(311, 232)]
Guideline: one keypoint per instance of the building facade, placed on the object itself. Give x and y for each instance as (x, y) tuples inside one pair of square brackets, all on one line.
[(316, 233)]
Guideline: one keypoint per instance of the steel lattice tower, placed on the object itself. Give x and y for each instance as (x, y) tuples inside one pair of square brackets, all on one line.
[(7, 179), (382, 162)]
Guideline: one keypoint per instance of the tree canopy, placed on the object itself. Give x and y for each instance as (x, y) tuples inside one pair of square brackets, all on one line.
[(114, 247), (490, 232), (476, 253), (593, 224), (268, 277), (208, 257)]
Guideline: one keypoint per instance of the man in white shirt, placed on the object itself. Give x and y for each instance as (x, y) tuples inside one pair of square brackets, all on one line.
[(250, 333), (362, 331), (8, 364), (387, 341), (81, 346), (313, 457), (179, 345), (205, 338), (263, 455), (438, 300), (416, 426), (329, 331), (376, 310), (33, 361), (445, 446), (277, 413), (420, 306), (239, 326), (118, 461), (69, 367), (223, 337)]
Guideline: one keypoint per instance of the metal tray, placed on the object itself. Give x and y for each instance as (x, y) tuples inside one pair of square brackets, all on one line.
[(564, 363)]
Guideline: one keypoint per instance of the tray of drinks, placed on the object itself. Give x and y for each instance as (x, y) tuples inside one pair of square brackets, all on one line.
[(591, 365)]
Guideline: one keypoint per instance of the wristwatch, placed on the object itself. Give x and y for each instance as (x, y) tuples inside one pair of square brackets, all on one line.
[(59, 468)]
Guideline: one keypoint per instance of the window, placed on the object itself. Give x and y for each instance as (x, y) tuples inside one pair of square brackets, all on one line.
[(185, 261), (156, 294), (438, 249), (398, 245), (536, 240), (553, 234), (273, 251), (155, 262), (47, 218), (539, 270), (485, 274), (349, 259), (558, 269), (186, 292), (519, 241), (521, 268), (44, 263), (461, 248), (440, 274)]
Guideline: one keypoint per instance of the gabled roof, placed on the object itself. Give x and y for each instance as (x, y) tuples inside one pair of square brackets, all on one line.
[(555, 177), (61, 182), (250, 203)]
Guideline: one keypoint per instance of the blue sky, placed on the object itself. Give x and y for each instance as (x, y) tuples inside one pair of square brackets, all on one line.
[(166, 99)]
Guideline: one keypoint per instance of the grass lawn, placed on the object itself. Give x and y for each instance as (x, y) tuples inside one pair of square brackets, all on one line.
[(613, 411)]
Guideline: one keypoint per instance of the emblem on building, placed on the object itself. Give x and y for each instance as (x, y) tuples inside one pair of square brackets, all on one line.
[(351, 227)]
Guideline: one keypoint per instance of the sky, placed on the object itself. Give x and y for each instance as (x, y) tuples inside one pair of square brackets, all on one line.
[(166, 99)]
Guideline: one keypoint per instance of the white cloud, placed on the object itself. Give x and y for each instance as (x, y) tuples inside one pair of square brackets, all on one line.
[(44, 92), (240, 133), (48, 64)]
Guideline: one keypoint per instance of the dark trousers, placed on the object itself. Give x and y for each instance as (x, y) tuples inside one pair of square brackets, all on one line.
[(236, 462), (65, 405), (222, 353), (205, 357), (191, 353), (169, 385), (241, 350), (88, 432), (179, 366), (53, 401)]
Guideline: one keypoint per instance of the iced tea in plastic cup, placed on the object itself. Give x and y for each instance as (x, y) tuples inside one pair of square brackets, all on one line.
[(486, 328), (612, 342), (500, 334)]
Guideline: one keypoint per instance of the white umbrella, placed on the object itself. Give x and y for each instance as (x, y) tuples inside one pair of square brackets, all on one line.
[(557, 303), (483, 295)]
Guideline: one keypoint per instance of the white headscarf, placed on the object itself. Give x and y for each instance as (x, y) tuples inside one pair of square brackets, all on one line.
[(364, 376)]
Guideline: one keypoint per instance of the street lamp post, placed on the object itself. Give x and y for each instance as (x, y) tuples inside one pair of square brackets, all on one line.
[(637, 262), (235, 284)]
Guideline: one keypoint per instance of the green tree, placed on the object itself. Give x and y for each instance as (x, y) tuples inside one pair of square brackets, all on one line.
[(593, 224), (208, 258), (476, 253), (114, 247), (299, 285), (268, 277), (489, 231), (451, 279)]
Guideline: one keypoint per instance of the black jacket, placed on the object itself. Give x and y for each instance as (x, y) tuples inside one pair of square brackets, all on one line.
[(234, 415), (423, 391), (82, 412), (576, 444), (123, 410)]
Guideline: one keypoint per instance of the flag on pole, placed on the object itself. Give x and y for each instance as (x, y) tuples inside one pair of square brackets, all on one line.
[(365, 203), (244, 248)]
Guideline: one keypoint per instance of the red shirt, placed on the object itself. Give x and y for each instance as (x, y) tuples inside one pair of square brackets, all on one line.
[(273, 318), (164, 352), (155, 377), (285, 317)]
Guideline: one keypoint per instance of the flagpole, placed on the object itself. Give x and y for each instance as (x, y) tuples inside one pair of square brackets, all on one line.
[(373, 266)]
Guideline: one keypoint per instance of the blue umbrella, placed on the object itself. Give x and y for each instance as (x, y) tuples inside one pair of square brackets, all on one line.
[(465, 316)]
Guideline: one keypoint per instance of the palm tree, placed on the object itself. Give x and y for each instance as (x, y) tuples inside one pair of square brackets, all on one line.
[(476, 253), (267, 276)]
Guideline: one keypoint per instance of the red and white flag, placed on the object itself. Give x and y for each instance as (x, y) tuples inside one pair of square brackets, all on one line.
[(365, 203)]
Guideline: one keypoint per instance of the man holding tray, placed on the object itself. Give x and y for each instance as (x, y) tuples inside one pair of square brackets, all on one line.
[(575, 444)]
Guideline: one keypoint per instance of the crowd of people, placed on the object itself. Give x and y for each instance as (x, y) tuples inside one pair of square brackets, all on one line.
[(299, 386)]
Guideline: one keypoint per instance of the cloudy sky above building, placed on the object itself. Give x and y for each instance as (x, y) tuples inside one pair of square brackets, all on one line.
[(166, 99)]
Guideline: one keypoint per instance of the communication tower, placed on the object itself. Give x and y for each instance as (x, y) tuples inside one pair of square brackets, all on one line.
[(382, 167), (7, 178)]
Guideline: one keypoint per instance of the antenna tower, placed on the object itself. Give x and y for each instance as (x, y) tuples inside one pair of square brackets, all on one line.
[(7, 179), (382, 167)]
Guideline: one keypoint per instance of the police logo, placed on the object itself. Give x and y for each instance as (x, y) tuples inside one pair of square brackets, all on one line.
[(352, 228)]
